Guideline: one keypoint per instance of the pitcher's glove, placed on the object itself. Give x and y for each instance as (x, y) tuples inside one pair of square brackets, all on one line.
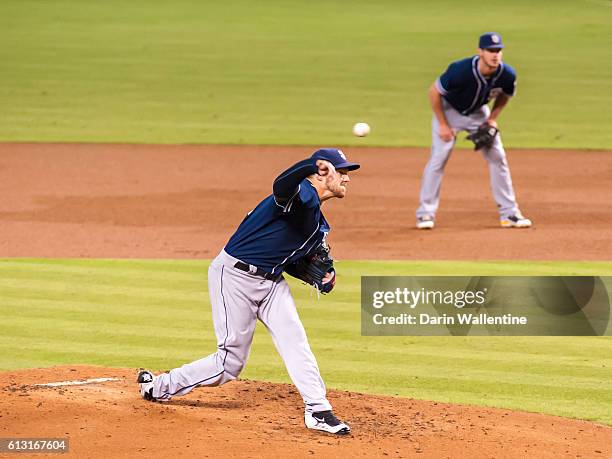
[(313, 268), (484, 136)]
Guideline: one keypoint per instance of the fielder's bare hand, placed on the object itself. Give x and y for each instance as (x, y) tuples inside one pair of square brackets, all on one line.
[(446, 133)]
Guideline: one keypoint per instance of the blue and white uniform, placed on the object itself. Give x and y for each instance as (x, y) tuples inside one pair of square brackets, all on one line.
[(246, 284), (466, 90), (465, 93), (285, 226)]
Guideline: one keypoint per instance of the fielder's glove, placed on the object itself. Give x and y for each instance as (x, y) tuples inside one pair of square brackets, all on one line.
[(483, 137), (313, 268)]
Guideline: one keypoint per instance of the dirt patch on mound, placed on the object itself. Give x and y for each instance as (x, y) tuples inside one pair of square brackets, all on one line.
[(251, 419), (147, 201)]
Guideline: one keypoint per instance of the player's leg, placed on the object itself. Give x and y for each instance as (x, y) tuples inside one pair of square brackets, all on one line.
[(234, 317), (432, 177), (502, 188), (279, 314), (500, 178)]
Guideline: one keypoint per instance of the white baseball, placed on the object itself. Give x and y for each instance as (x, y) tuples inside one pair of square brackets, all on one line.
[(361, 129)]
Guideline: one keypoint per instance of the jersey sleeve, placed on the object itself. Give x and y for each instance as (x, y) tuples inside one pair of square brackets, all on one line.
[(509, 82), (304, 210), (450, 80), (308, 195), (286, 187)]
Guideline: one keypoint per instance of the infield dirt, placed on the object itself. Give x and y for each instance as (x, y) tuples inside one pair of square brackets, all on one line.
[(145, 201), (138, 201)]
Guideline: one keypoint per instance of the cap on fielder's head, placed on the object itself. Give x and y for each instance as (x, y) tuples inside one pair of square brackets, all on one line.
[(490, 40), (336, 157)]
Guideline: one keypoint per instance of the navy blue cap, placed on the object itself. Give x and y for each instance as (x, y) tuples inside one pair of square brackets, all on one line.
[(336, 157), (490, 40)]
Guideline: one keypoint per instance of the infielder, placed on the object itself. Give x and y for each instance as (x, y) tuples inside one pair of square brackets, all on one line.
[(285, 231), (459, 100)]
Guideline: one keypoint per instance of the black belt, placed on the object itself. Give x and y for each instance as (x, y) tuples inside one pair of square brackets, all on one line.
[(257, 272)]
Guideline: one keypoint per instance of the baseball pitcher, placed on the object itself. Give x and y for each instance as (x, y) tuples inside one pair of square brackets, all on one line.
[(286, 232), (459, 100)]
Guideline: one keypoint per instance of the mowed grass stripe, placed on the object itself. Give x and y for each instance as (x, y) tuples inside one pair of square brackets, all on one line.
[(101, 290), (113, 305), (77, 328), (476, 268), (102, 344), (57, 307), (111, 278), (87, 311), (138, 269), (493, 361), (422, 381), (93, 356), (540, 347), (585, 367), (562, 376)]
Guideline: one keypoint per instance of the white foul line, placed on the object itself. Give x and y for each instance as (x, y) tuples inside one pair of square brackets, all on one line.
[(77, 383)]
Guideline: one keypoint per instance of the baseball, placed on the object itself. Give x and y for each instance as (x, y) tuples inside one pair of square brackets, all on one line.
[(361, 129)]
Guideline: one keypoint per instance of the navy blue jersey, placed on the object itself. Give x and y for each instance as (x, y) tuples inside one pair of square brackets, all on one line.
[(285, 226), (466, 89)]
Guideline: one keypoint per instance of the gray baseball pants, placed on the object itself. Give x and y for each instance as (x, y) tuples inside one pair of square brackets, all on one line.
[(499, 172), (238, 300)]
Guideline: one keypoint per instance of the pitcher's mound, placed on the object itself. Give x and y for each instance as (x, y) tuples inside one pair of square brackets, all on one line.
[(253, 419)]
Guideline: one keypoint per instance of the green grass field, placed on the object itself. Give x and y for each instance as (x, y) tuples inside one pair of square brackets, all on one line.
[(131, 313), (292, 72)]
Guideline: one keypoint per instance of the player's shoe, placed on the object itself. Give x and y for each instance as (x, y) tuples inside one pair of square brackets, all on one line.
[(425, 222), (145, 379), (326, 422), (515, 221)]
